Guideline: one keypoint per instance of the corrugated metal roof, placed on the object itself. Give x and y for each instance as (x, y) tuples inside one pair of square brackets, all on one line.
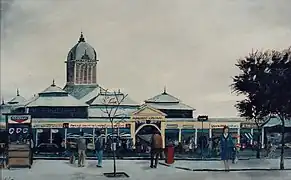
[(101, 99), (18, 100), (163, 98), (55, 96), (102, 112), (81, 91), (173, 106)]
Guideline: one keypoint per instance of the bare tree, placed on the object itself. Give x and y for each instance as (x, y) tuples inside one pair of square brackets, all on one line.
[(112, 111)]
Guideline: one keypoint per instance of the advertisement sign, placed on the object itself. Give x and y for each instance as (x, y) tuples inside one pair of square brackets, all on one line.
[(221, 125), (19, 119), (172, 126)]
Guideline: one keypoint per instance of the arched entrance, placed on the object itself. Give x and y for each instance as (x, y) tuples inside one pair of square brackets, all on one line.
[(143, 137)]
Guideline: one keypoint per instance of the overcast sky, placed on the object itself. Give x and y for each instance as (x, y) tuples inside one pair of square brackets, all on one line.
[(189, 46)]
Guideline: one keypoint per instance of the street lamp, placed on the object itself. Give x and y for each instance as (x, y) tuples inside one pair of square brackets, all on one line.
[(201, 119)]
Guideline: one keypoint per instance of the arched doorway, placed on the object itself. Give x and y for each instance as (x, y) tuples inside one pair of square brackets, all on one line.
[(143, 136)]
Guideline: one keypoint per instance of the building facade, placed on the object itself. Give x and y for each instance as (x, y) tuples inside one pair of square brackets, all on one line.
[(83, 105)]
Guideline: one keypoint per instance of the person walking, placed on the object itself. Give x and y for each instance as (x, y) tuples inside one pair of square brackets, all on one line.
[(156, 148), (81, 144), (99, 148), (226, 147)]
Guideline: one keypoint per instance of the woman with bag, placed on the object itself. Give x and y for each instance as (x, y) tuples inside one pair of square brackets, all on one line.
[(226, 147)]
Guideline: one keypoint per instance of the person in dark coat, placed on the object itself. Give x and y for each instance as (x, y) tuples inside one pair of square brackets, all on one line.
[(226, 147), (156, 148)]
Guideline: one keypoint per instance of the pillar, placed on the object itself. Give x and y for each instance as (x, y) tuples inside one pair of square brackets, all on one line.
[(210, 133), (132, 132), (180, 135), (263, 137), (252, 134), (195, 137), (93, 135), (66, 132), (36, 138), (51, 135), (163, 133), (238, 135)]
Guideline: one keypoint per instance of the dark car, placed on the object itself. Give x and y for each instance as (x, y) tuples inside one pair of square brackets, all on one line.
[(48, 148)]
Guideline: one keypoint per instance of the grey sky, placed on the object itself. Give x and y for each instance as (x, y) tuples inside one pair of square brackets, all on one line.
[(190, 46)]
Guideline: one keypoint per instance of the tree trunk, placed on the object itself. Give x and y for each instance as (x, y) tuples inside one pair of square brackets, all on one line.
[(283, 144), (113, 151), (258, 155)]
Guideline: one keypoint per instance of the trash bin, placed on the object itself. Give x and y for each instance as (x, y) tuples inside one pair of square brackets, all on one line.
[(170, 154)]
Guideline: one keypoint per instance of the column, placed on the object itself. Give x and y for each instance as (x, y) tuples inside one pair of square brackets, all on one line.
[(252, 136), (163, 132), (210, 133), (132, 132), (238, 135), (195, 137), (180, 135), (263, 135), (51, 135), (106, 134), (89, 80), (66, 131), (93, 136), (36, 138)]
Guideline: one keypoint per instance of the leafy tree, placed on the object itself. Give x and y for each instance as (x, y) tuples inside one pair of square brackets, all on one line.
[(265, 82), (279, 91), (116, 115), (251, 83)]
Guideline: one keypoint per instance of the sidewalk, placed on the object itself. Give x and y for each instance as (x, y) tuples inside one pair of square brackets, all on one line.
[(137, 170), (247, 165)]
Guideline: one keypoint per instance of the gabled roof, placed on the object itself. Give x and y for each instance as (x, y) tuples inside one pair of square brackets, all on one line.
[(117, 96), (163, 98), (102, 112), (145, 107), (56, 97), (167, 101)]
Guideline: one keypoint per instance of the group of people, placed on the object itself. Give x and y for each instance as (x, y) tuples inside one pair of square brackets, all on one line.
[(99, 146)]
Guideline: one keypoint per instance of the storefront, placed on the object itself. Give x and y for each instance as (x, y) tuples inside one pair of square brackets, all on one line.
[(216, 129)]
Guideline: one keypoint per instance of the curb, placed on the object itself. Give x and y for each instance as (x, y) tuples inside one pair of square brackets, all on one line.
[(133, 158), (222, 170)]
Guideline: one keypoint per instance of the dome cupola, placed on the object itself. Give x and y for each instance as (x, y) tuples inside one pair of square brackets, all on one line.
[(82, 51)]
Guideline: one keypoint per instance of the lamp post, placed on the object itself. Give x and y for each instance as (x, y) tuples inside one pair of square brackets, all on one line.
[(202, 119)]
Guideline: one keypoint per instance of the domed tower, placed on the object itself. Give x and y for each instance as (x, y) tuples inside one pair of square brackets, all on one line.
[(82, 64)]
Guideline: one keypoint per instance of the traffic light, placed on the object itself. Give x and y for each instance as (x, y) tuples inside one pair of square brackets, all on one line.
[(65, 125), (202, 118)]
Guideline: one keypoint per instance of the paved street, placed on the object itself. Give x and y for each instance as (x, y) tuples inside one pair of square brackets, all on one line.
[(138, 170), (242, 164)]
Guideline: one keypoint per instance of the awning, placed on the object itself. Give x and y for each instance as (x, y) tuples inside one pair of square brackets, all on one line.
[(275, 121)]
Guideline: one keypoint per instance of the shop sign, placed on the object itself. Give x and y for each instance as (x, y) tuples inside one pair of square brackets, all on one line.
[(249, 126), (19, 119), (79, 125), (188, 127), (172, 126), (221, 125), (39, 125), (148, 117)]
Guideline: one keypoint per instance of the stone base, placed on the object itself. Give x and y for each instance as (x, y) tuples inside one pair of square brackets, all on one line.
[(117, 175)]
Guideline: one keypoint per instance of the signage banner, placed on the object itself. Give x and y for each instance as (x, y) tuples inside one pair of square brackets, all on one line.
[(87, 125), (47, 125), (188, 127), (249, 126), (148, 117), (172, 126), (221, 125), (19, 119)]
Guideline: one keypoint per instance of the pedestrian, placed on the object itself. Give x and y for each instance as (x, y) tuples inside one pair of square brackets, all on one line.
[(99, 148), (156, 148), (226, 147), (81, 144)]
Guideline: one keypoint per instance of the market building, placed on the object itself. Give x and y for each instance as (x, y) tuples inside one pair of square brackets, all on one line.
[(59, 113)]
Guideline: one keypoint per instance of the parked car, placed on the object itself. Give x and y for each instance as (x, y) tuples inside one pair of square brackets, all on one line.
[(48, 148)]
